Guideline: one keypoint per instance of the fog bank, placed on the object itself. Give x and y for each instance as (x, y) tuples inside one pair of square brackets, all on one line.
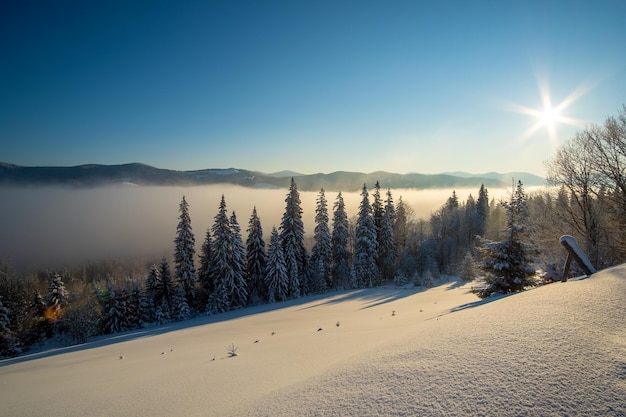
[(51, 226)]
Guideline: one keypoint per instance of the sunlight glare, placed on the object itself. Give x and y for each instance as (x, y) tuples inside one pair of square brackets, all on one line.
[(551, 116)]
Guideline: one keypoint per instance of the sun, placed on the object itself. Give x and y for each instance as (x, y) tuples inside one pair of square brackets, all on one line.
[(550, 117)]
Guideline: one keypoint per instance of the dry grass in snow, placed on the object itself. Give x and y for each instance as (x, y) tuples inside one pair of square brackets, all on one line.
[(558, 350)]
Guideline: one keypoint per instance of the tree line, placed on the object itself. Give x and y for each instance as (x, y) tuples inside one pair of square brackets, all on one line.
[(508, 245)]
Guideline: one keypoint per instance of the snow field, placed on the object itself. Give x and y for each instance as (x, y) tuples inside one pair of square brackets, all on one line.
[(552, 351)]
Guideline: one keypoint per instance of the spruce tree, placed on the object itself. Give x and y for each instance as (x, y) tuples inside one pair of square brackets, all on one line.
[(339, 245), (166, 289), (205, 269), (321, 257), (57, 294), (366, 271), (400, 226), (57, 297), (386, 243), (221, 248), (292, 239), (184, 252), (238, 286), (468, 270), (482, 210), (153, 282), (115, 317), (276, 278), (180, 308), (256, 259), (378, 211), (9, 344), (508, 263)]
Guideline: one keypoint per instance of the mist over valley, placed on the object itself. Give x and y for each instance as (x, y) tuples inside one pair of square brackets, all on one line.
[(50, 226)]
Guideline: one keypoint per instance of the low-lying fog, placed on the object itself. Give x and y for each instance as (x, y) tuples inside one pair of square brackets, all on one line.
[(51, 226)]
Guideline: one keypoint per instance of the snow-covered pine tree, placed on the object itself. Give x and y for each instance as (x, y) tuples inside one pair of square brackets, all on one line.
[(256, 259), (153, 283), (400, 226), (276, 278), (469, 268), (57, 297), (166, 288), (57, 293), (386, 243), (205, 269), (292, 239), (146, 307), (180, 309), (367, 274), (508, 263), (321, 257), (184, 252), (115, 316), (221, 249), (482, 210), (138, 306), (378, 211), (339, 245), (239, 286), (161, 316), (9, 344)]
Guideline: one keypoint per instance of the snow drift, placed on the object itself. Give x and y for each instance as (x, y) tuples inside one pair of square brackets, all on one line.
[(551, 351)]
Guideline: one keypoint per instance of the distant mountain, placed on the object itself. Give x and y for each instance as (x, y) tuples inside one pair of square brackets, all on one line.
[(283, 174), (527, 178), (141, 174)]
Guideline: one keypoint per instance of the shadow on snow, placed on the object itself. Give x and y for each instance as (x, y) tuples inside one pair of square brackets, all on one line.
[(370, 297)]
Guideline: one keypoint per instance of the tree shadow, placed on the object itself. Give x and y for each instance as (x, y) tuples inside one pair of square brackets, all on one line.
[(55, 348), (372, 297)]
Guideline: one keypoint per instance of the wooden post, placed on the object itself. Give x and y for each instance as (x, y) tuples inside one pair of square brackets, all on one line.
[(568, 262), (576, 253)]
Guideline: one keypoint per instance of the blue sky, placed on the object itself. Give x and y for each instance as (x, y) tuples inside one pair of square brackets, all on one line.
[(316, 86)]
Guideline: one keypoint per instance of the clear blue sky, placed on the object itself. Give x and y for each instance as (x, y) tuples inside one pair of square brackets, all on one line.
[(319, 86)]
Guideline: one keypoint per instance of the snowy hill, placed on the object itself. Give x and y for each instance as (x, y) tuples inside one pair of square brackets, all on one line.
[(142, 174), (551, 351)]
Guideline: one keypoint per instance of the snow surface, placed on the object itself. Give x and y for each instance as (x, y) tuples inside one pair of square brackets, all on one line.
[(557, 350)]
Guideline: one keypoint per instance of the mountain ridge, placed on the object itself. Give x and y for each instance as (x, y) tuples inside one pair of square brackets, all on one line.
[(90, 175)]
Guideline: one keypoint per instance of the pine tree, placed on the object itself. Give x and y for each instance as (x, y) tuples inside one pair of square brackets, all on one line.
[(166, 289), (378, 211), (115, 317), (292, 239), (180, 308), (9, 344), (366, 247), (221, 248), (482, 210), (153, 283), (322, 251), (400, 226), (507, 263), (276, 278), (185, 250), (256, 259), (386, 243), (205, 270), (238, 286), (469, 269), (339, 245), (57, 297)]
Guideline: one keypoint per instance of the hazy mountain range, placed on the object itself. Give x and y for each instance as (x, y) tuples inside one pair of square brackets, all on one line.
[(141, 174)]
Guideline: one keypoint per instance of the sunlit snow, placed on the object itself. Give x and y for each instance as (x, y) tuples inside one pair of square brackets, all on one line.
[(555, 350)]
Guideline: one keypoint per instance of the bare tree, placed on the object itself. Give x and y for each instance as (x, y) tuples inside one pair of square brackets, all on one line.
[(590, 170)]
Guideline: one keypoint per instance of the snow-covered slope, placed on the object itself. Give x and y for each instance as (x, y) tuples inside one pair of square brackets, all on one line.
[(555, 350)]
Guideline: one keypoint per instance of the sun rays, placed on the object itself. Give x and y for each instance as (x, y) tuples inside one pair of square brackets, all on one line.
[(550, 117)]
